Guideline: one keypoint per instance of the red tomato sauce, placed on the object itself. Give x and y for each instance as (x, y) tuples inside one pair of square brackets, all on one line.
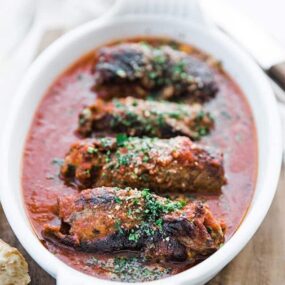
[(53, 130)]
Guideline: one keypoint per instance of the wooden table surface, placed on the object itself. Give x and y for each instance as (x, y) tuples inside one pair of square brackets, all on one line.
[(262, 262)]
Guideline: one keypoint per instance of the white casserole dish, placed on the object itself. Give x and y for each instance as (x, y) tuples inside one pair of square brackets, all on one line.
[(120, 24)]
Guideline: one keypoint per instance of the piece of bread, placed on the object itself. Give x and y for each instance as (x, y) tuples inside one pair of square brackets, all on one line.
[(13, 266)]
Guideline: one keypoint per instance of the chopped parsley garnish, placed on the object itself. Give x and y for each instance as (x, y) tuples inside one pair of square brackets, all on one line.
[(145, 158), (175, 115), (151, 118), (201, 115), (203, 131), (92, 150), (130, 212), (135, 201), (152, 75), (134, 236), (118, 226), (135, 103), (118, 200), (105, 142), (129, 269), (117, 103), (121, 139), (124, 159), (159, 223), (152, 213), (179, 67), (209, 230)]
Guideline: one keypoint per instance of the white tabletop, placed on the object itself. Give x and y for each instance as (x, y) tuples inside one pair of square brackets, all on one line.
[(267, 13)]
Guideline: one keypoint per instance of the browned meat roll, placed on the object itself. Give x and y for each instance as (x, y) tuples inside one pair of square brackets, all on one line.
[(139, 69), (175, 164), (139, 118), (111, 220)]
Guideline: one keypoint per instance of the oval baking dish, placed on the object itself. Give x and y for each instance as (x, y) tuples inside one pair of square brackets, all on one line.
[(72, 46)]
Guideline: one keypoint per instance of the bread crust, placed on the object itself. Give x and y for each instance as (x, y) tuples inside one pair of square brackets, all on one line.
[(13, 266)]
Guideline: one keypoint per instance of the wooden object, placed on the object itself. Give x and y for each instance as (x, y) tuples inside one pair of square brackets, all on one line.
[(277, 72)]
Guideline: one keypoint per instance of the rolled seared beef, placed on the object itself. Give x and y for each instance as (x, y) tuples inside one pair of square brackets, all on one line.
[(140, 69), (108, 220), (163, 165), (137, 117)]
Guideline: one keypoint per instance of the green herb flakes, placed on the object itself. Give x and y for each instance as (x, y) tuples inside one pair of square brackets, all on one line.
[(118, 200), (92, 150), (121, 139)]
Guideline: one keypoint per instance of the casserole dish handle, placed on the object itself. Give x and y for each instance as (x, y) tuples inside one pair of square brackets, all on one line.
[(186, 9)]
